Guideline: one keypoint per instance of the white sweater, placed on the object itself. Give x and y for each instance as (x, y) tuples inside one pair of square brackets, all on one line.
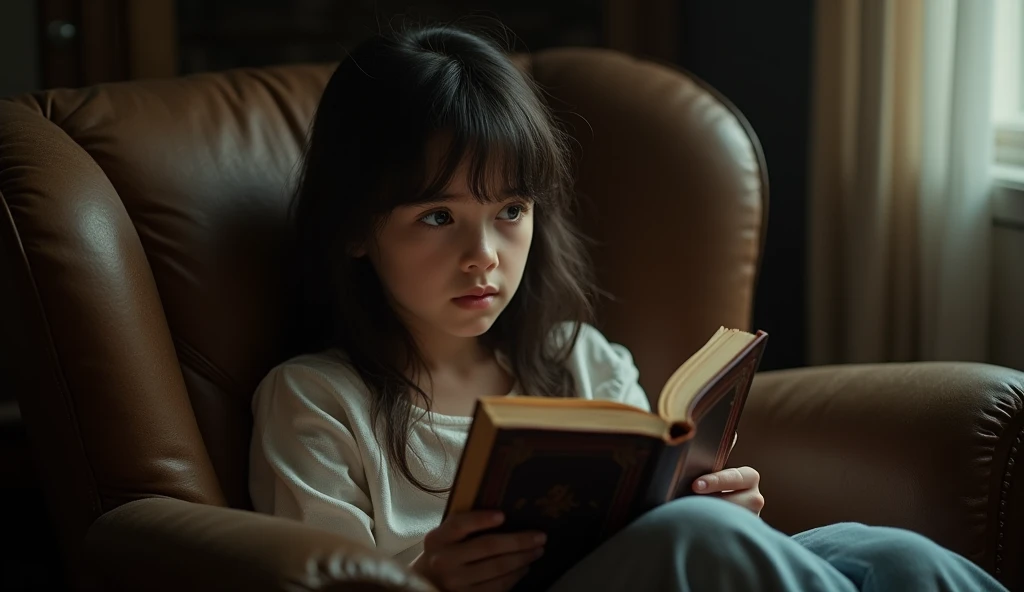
[(314, 456)]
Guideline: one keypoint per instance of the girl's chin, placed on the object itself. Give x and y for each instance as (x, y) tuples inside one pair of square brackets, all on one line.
[(475, 329)]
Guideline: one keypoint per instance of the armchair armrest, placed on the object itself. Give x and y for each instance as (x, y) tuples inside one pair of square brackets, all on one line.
[(169, 544), (931, 447)]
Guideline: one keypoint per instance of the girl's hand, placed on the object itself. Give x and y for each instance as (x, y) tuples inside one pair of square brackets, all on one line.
[(738, 486), (487, 563)]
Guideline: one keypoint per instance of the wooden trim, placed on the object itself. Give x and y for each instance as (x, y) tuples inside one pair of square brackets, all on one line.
[(646, 28), (59, 64), (113, 40), (152, 33), (620, 25), (104, 42), (658, 29)]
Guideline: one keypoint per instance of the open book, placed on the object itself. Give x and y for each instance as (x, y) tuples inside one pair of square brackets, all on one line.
[(580, 469)]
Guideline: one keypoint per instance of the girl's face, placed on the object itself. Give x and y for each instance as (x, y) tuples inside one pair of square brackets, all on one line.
[(451, 267)]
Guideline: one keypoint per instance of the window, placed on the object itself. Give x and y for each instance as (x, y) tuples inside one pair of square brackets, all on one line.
[(1008, 95)]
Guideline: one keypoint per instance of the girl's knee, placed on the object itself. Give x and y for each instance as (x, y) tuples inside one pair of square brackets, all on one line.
[(906, 544), (705, 535), (695, 516), (893, 558), (898, 553), (884, 540), (866, 541)]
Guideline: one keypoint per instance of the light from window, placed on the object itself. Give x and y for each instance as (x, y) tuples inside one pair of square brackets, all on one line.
[(1008, 81)]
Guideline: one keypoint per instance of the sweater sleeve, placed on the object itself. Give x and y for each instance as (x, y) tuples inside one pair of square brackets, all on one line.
[(605, 370), (304, 459)]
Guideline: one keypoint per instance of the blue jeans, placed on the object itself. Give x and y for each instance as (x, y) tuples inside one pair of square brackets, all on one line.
[(703, 544)]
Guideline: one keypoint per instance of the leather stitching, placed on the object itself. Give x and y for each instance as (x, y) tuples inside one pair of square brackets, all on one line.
[(1004, 498)]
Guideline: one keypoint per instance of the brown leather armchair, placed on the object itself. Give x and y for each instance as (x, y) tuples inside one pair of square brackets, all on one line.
[(145, 293)]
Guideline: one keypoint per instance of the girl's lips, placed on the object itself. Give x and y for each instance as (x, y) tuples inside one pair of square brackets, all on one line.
[(474, 302)]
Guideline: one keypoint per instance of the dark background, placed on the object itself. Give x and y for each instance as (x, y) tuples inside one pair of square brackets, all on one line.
[(758, 54)]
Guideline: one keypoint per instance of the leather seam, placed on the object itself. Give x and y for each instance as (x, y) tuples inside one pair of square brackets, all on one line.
[(203, 366), (58, 374), (1004, 498)]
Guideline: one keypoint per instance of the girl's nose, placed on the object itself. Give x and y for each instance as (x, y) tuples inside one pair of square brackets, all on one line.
[(480, 253)]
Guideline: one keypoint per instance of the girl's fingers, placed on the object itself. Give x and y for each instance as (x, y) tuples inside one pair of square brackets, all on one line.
[(750, 499), (458, 526), (728, 480), (492, 545), (495, 570), (502, 584)]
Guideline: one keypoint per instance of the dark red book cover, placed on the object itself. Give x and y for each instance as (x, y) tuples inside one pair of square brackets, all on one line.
[(581, 488), (578, 488)]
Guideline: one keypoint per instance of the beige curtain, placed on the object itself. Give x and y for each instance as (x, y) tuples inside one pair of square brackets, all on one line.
[(899, 181)]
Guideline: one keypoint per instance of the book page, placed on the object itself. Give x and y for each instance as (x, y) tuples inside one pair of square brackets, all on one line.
[(582, 415), (678, 398)]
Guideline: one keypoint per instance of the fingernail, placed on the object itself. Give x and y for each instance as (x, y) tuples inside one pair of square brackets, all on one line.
[(702, 484), (497, 518), (540, 539)]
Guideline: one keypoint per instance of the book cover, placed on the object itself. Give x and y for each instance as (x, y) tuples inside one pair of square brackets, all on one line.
[(576, 488), (581, 487)]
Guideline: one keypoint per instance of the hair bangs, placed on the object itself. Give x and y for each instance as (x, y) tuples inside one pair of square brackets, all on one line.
[(507, 147)]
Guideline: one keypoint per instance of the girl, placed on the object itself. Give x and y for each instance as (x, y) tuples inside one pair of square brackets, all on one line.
[(432, 220)]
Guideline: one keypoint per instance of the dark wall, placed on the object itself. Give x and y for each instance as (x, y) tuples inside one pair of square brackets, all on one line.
[(758, 54)]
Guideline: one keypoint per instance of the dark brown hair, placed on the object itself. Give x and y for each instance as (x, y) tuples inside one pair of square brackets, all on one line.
[(366, 155)]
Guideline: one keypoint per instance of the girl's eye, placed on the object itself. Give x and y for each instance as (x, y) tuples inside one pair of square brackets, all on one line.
[(513, 212), (438, 218)]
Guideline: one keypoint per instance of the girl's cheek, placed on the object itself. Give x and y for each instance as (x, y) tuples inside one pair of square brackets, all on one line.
[(523, 232)]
